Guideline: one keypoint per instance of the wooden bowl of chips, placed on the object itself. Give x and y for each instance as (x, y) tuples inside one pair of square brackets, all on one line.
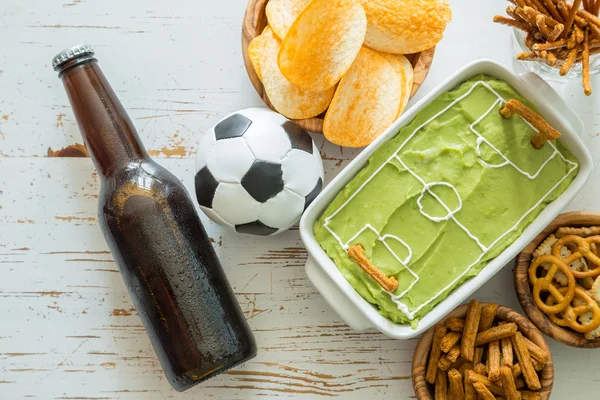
[(254, 23), (523, 287), (527, 336)]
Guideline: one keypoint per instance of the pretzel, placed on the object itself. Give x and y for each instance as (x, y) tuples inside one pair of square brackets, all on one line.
[(524, 26), (564, 8), (357, 252), (571, 314), (553, 11), (583, 249), (571, 17), (548, 58), (545, 283), (569, 60), (545, 130), (585, 62), (549, 45), (583, 232)]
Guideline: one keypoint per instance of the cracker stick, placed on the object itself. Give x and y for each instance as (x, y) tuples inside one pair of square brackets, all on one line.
[(527, 395), (585, 61), (496, 333), (483, 392), (434, 356), (470, 392), (550, 45), (458, 364), (583, 232), (507, 352), (454, 353), (500, 19), (357, 253), (488, 313), (465, 367), (473, 377), (519, 383), (449, 340), (516, 370), (479, 369), (537, 365), (493, 357), (545, 130), (444, 364), (508, 384), (531, 378), (553, 11), (470, 332), (441, 386), (455, 324), (536, 351), (478, 355), (457, 391)]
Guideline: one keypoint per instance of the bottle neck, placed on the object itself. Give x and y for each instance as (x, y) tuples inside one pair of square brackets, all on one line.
[(108, 132)]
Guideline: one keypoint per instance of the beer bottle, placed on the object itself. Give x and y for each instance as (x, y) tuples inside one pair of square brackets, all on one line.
[(155, 235)]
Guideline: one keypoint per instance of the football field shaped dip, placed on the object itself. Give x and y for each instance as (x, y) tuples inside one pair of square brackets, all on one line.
[(437, 202)]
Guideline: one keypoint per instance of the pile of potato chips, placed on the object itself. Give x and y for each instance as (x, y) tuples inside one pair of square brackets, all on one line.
[(345, 57)]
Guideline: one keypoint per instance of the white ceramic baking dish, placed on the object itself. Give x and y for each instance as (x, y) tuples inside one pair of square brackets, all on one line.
[(360, 314)]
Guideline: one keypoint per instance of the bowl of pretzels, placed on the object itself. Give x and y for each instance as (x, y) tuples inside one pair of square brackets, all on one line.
[(557, 279), (483, 351)]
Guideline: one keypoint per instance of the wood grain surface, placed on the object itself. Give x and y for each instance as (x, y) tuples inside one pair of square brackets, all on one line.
[(523, 287), (255, 20), (68, 329), (423, 390)]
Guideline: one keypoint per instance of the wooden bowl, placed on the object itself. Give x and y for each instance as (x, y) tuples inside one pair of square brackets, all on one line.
[(424, 391), (255, 21), (523, 288)]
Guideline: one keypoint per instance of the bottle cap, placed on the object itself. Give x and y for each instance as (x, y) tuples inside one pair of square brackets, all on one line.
[(72, 53)]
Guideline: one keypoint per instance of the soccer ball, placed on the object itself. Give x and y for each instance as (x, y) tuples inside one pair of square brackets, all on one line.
[(256, 172)]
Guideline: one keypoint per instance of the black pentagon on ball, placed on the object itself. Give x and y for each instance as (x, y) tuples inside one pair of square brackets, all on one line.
[(206, 186), (313, 193), (263, 181), (255, 228), (299, 138), (233, 126)]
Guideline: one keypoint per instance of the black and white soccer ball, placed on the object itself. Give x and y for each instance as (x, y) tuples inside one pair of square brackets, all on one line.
[(256, 172)]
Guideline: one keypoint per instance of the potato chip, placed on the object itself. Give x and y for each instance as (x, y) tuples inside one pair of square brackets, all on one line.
[(409, 75), (323, 43), (405, 26), (281, 14), (399, 68), (366, 101), (255, 49), (287, 98)]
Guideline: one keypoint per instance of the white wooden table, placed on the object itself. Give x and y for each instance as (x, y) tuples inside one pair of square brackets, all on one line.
[(68, 329)]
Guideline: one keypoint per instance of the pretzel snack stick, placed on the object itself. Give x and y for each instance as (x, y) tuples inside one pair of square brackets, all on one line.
[(496, 333), (571, 17), (549, 45), (565, 9), (500, 19), (441, 386), (493, 358), (508, 384), (589, 17), (538, 6), (510, 11), (470, 332), (434, 356), (553, 11), (484, 393), (536, 57), (488, 313), (357, 253), (556, 32), (596, 9), (585, 61), (529, 374), (457, 391), (449, 340), (507, 352), (546, 131)]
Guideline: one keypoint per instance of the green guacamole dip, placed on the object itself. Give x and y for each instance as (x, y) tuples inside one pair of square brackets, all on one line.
[(436, 204)]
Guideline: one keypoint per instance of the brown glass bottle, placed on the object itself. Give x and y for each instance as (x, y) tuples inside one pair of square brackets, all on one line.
[(149, 221)]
